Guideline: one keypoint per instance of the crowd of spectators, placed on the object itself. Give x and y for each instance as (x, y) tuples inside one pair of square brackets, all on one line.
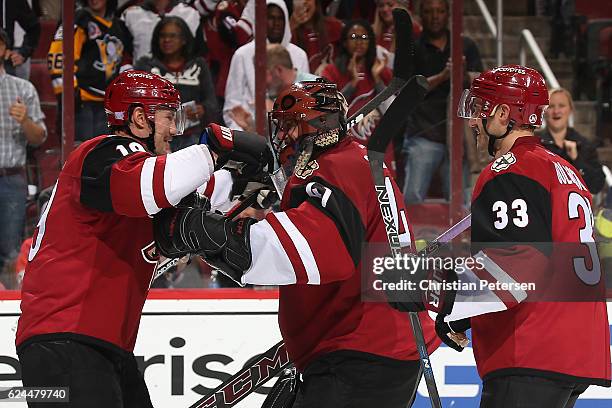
[(206, 48)]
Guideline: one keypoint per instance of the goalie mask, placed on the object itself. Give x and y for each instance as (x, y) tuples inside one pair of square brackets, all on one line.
[(307, 118), (523, 89)]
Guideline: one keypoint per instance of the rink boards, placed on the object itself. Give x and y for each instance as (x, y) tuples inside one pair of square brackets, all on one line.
[(190, 341)]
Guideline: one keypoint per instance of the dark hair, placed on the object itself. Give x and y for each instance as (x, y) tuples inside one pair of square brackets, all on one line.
[(342, 57), (319, 27), (422, 3), (111, 7), (5, 39), (187, 51)]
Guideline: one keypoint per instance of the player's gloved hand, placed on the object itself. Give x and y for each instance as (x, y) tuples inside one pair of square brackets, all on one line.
[(244, 151), (398, 296), (261, 184), (425, 291), (195, 200), (222, 242), (453, 333)]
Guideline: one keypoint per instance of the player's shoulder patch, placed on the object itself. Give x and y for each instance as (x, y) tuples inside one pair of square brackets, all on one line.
[(307, 170), (503, 162)]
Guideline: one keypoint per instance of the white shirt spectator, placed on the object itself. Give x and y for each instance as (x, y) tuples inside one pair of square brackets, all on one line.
[(240, 87), (141, 20)]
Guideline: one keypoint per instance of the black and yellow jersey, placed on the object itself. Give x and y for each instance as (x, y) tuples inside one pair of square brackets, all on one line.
[(100, 48)]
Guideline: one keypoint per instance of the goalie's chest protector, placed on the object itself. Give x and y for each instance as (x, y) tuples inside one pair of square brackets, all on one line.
[(89, 271), (320, 318), (532, 195)]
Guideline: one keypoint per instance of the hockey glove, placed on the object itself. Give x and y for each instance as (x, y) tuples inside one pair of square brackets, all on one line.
[(223, 243), (452, 333), (404, 300), (244, 151), (420, 289)]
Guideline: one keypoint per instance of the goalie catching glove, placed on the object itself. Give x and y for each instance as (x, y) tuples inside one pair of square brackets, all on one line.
[(223, 243)]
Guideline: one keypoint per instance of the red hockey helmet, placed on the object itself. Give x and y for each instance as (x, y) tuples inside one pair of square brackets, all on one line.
[(139, 88), (523, 89), (308, 108)]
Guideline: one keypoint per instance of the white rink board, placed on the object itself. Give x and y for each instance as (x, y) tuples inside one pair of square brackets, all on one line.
[(213, 338)]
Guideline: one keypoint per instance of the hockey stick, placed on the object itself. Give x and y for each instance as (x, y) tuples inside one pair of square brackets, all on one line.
[(247, 380), (387, 127), (276, 359), (390, 123)]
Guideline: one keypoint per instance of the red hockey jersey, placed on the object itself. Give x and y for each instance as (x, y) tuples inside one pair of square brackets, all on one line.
[(523, 202), (313, 249), (93, 255)]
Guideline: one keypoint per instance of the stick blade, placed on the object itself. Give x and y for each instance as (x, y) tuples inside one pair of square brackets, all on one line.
[(403, 65), (392, 121)]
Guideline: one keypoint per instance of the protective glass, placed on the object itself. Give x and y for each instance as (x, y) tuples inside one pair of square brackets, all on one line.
[(178, 116), (471, 106)]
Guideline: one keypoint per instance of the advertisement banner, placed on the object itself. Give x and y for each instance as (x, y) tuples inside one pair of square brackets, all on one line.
[(191, 341)]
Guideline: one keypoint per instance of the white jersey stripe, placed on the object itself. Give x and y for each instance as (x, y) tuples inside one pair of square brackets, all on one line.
[(146, 186), (306, 255), (186, 170), (271, 264), (501, 276)]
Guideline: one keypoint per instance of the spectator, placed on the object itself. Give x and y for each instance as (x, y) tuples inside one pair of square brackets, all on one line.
[(425, 139), (19, 11), (101, 42), (314, 32), (560, 138), (240, 87), (279, 75), (360, 75), (141, 19), (222, 39), (173, 59), (21, 123), (383, 23)]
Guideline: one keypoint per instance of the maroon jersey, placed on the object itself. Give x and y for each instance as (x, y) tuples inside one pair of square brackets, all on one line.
[(92, 256), (319, 45), (313, 249), (527, 197)]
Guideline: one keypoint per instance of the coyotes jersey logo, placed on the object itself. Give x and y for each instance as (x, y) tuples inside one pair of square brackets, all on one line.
[(503, 162), (307, 170)]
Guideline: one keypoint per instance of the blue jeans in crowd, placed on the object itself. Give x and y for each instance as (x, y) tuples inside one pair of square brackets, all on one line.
[(422, 159), (13, 195), (90, 121)]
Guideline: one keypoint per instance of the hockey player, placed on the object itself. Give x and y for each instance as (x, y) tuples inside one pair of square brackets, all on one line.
[(351, 353), (534, 347), (93, 256)]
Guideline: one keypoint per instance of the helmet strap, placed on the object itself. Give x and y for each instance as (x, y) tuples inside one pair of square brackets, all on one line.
[(493, 138)]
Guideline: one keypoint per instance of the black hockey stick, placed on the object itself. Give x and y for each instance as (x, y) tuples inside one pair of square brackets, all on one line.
[(276, 359), (390, 124)]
